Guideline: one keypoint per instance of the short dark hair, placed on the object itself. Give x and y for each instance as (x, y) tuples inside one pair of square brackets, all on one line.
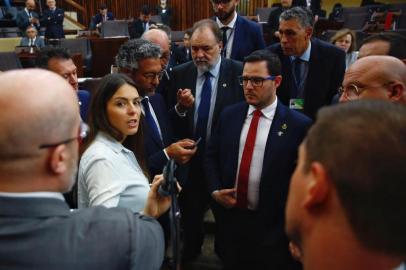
[(102, 7), (303, 15), (145, 10), (48, 53), (363, 148), (273, 62), (397, 43), (212, 25), (98, 118)]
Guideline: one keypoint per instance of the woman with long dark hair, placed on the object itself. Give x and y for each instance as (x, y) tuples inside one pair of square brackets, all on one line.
[(112, 169)]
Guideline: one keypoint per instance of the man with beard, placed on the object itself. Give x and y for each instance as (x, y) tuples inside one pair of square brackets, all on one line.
[(346, 199), (240, 36), (213, 80)]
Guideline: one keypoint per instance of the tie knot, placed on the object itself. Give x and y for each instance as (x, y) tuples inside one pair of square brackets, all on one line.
[(225, 28), (257, 113), (207, 75), (144, 101)]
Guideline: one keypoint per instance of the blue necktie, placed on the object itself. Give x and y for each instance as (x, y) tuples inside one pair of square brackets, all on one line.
[(203, 110), (152, 126), (297, 69)]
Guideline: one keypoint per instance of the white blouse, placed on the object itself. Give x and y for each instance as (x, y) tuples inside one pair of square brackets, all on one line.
[(110, 175)]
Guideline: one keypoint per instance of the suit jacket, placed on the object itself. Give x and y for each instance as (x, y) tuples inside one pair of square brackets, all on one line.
[(273, 23), (221, 162), (84, 102), (42, 233), (326, 73), (53, 21), (23, 21), (137, 29), (248, 37), (98, 18), (156, 158), (39, 42)]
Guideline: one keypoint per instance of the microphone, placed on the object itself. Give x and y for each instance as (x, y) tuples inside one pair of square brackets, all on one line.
[(168, 186)]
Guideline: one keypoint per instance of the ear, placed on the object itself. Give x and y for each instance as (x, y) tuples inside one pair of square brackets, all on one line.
[(309, 32), (58, 159), (396, 91), (318, 186), (278, 81)]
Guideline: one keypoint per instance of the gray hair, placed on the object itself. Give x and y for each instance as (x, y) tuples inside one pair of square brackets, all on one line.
[(134, 50), (303, 15)]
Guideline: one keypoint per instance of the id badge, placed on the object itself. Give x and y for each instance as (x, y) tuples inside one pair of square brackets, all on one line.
[(296, 103)]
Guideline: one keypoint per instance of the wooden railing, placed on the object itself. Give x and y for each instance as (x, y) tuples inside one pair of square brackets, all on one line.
[(81, 10)]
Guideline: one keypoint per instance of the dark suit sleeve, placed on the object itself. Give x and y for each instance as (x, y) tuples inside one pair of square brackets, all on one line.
[(22, 21), (260, 42)]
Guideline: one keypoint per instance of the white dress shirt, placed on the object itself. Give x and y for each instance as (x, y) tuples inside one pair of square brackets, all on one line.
[(230, 34), (110, 175), (264, 126)]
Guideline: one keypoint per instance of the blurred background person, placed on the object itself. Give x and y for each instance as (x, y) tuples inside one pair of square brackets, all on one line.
[(52, 20), (32, 38), (112, 170), (27, 17), (165, 12), (103, 16), (142, 24), (273, 20), (345, 39)]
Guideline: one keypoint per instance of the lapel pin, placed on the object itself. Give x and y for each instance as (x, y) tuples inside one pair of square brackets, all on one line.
[(224, 85), (284, 126), (280, 133)]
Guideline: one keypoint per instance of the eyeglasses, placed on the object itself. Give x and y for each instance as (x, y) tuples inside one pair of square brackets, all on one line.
[(352, 91), (255, 81), (217, 2), (151, 76), (83, 131)]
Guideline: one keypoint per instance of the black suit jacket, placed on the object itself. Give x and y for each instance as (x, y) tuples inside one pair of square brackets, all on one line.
[(137, 29), (42, 233), (98, 18), (23, 21), (53, 21), (326, 73)]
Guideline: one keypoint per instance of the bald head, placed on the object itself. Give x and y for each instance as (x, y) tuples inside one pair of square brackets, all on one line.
[(42, 110), (379, 77), (160, 38), (30, 4)]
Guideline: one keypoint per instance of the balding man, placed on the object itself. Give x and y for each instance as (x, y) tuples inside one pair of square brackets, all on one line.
[(27, 17), (38, 161), (375, 77)]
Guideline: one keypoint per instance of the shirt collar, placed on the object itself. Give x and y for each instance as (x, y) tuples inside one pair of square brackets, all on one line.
[(306, 55), (268, 111), (214, 71), (111, 142), (231, 24), (41, 194)]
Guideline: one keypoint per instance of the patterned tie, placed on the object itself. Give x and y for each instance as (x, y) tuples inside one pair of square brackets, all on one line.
[(152, 126), (203, 110), (224, 29), (245, 165)]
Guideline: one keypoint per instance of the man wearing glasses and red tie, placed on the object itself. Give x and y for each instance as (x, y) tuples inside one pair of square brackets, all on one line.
[(250, 159)]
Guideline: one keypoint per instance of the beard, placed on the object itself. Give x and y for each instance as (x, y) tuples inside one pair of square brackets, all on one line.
[(203, 65), (224, 16)]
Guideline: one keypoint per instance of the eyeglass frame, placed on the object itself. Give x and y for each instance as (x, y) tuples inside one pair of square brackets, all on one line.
[(151, 75), (82, 134), (260, 82), (358, 89)]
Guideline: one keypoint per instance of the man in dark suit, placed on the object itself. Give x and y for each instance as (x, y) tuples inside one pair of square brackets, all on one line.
[(213, 81), (142, 24), (240, 36), (60, 61), (52, 19), (103, 16), (32, 38), (249, 163), (273, 20), (39, 158), (312, 69), (27, 17), (144, 67)]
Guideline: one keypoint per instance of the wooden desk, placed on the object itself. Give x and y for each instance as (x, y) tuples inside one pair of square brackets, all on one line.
[(104, 51)]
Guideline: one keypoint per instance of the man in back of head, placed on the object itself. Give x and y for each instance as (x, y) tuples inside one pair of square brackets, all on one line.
[(392, 44), (312, 69), (375, 77), (346, 200), (38, 161), (60, 61)]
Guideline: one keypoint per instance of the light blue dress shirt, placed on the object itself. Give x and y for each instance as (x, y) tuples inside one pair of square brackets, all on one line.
[(110, 175)]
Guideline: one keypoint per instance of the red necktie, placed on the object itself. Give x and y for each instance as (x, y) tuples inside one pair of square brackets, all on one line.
[(245, 165)]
